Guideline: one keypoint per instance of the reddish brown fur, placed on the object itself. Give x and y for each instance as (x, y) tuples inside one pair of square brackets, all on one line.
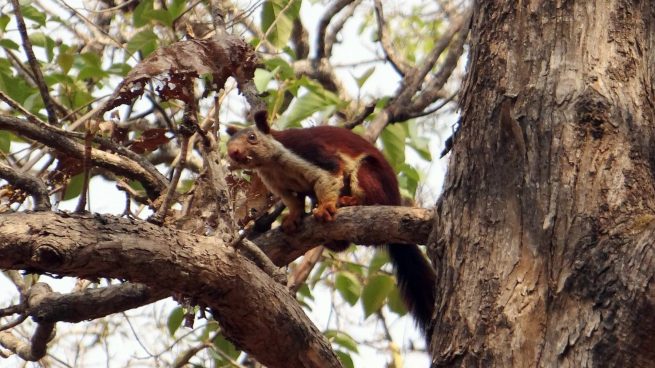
[(367, 179)]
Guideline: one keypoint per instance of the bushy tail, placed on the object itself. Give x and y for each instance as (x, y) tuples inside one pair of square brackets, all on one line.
[(416, 281)]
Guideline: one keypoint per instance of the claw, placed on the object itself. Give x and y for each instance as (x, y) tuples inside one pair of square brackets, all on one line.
[(325, 211)]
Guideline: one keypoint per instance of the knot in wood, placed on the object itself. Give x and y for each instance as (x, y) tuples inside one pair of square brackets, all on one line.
[(47, 255)]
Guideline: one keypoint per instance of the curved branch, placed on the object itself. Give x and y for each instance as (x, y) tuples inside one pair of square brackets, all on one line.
[(31, 184), (205, 268), (36, 348), (323, 25), (402, 106), (433, 89), (34, 65), (331, 37), (397, 62), (300, 40), (151, 179)]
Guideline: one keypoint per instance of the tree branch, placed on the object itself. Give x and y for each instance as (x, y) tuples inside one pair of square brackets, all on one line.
[(433, 89), (358, 224), (397, 62), (36, 348), (337, 26), (151, 179), (401, 107), (203, 267), (34, 65), (33, 185), (300, 40), (94, 303), (323, 24)]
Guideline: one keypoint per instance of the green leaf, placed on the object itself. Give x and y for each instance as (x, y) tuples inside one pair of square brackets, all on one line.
[(5, 141), (91, 59), (342, 339), (4, 21), (421, 146), (34, 14), (175, 320), (393, 140), (34, 102), (74, 187), (418, 142), (139, 16), (176, 8), (380, 258), (120, 69), (396, 303), (305, 292), (9, 44), (38, 39), (412, 178), (222, 344), (316, 99), (16, 88), (303, 108), (278, 16), (348, 286), (262, 78), (91, 73), (162, 16), (65, 61), (144, 41), (284, 70), (361, 80), (375, 293), (42, 40), (345, 359), (137, 186)]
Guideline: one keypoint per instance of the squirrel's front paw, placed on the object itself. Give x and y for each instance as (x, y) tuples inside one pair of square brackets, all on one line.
[(325, 211)]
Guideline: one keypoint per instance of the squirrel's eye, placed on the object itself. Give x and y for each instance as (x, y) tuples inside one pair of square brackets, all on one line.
[(252, 137)]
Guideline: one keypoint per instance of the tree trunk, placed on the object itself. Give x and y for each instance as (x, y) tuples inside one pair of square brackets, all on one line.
[(543, 238)]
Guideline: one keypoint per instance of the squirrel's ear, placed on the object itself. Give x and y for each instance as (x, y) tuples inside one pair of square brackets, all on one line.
[(231, 130), (261, 120)]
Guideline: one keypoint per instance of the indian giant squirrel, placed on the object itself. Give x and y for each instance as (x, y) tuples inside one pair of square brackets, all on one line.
[(336, 167)]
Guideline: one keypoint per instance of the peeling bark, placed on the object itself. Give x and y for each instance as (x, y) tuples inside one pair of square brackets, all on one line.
[(543, 236)]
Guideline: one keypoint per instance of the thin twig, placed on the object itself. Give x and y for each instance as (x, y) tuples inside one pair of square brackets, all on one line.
[(397, 62), (436, 108), (14, 323), (19, 108), (331, 12), (185, 132), (91, 127), (359, 119), (34, 65)]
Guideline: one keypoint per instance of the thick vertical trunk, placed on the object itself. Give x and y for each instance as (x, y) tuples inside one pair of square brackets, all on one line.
[(544, 242)]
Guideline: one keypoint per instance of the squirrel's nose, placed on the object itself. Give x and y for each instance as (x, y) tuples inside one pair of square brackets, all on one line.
[(234, 153)]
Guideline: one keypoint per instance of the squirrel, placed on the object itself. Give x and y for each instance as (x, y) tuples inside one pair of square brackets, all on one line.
[(336, 168)]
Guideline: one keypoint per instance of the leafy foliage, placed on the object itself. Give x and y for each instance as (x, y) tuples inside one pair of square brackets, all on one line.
[(155, 57)]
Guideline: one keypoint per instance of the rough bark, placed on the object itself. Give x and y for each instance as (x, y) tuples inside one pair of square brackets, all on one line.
[(543, 235), (254, 312)]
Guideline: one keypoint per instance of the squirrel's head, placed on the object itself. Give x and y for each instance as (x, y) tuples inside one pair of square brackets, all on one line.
[(251, 147)]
